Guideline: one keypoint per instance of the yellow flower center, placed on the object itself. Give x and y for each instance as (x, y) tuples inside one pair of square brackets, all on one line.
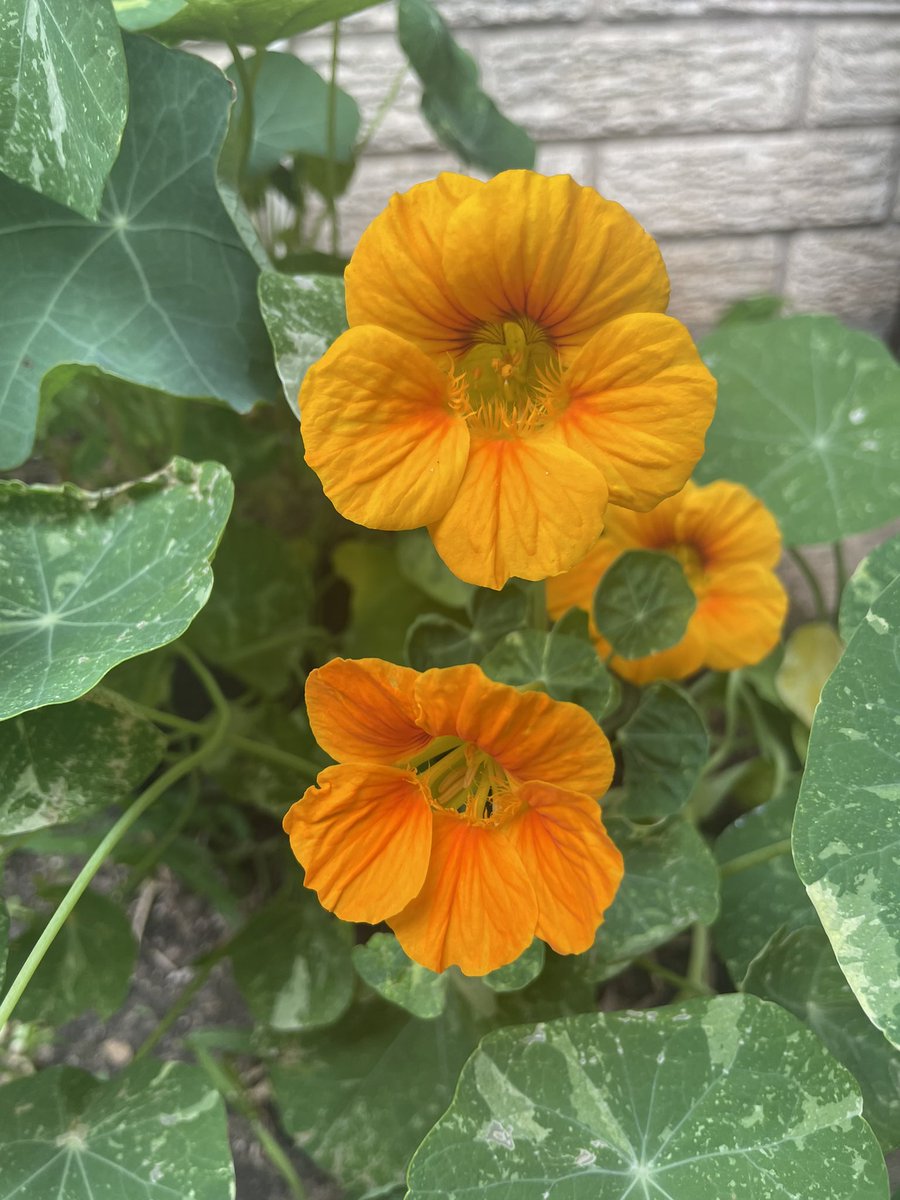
[(691, 562), (466, 781), (507, 383)]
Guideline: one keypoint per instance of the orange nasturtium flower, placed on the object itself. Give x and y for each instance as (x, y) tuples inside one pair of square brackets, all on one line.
[(462, 812), (508, 371), (728, 543)]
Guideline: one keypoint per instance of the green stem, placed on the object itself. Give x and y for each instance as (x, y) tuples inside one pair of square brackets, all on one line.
[(679, 981), (104, 849), (232, 1090), (159, 717), (183, 1000), (246, 123), (272, 754), (841, 574), (769, 742), (537, 606), (382, 111), (146, 864), (698, 960), (753, 858), (733, 689), (812, 580), (331, 167)]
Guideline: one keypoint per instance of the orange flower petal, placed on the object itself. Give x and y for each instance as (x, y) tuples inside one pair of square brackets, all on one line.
[(546, 248), (364, 710), (379, 433), (728, 525), (526, 507), (477, 909), (575, 588), (396, 278), (740, 615), (363, 836), (532, 736), (641, 400), (573, 865)]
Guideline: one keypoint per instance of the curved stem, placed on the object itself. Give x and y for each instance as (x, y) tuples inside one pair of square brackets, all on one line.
[(104, 849), (272, 754), (812, 580), (841, 574), (733, 688), (753, 858), (679, 981)]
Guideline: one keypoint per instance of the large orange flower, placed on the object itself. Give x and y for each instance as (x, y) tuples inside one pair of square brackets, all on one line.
[(728, 544), (462, 812), (507, 373)]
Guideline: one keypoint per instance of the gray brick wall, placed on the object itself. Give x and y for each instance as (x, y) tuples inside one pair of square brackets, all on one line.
[(758, 139)]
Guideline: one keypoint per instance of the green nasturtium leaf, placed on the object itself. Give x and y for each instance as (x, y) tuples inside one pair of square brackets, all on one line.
[(303, 314), (421, 564), (797, 969), (461, 115), (292, 964), (255, 22), (847, 826), (255, 624), (160, 290), (811, 653), (762, 898), (291, 112), (135, 15), (360, 1096), (520, 973), (664, 747), (62, 763), (807, 419), (713, 1098), (754, 308), (154, 1132), (868, 581), (93, 578), (565, 667), (434, 641), (63, 98), (670, 882), (383, 965), (87, 968), (643, 603)]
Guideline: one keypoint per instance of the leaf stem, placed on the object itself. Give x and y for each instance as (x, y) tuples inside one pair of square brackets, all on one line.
[(679, 981), (246, 123), (174, 1012), (754, 858), (698, 960), (233, 1092), (272, 754), (537, 606), (159, 717), (383, 109), (812, 580), (841, 574), (733, 690), (80, 884)]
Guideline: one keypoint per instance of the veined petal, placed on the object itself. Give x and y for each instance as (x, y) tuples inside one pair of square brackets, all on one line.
[(526, 507), (379, 432), (740, 615), (364, 710), (477, 909), (573, 865), (396, 277), (641, 401), (363, 837), (530, 735), (548, 249), (728, 525)]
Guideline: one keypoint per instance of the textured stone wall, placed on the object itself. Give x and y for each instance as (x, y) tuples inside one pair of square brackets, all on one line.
[(759, 140)]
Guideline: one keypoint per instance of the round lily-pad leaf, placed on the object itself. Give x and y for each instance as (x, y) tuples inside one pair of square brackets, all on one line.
[(303, 314), (868, 581), (713, 1098), (61, 763), (643, 603), (519, 973), (435, 641), (384, 966), (797, 969), (664, 747), (565, 667), (846, 835), (807, 418), (155, 1132), (93, 578)]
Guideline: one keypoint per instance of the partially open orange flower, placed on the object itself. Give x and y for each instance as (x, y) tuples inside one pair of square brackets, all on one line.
[(507, 373), (728, 543), (462, 812)]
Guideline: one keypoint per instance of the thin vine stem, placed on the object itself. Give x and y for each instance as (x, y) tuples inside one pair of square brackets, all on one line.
[(812, 581), (680, 981), (754, 858), (733, 690), (698, 960), (82, 880), (272, 754), (331, 165), (841, 575)]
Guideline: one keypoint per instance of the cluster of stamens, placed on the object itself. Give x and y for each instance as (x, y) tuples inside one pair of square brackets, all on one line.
[(462, 779)]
